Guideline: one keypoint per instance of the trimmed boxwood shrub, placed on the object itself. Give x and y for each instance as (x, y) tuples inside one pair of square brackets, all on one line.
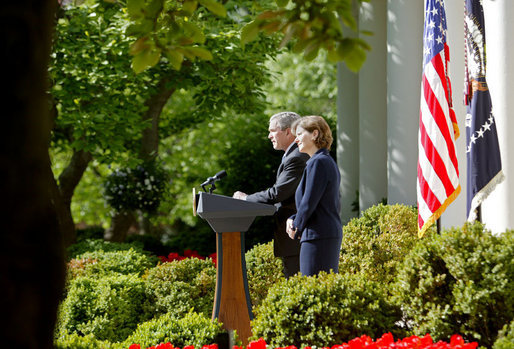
[(100, 263), (263, 271), (180, 286), (76, 341), (505, 337), (324, 310), (377, 242), (190, 329), (91, 245), (461, 281), (110, 308)]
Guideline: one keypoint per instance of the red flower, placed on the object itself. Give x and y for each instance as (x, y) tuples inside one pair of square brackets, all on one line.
[(210, 346), (164, 346), (135, 346), (259, 344), (189, 347)]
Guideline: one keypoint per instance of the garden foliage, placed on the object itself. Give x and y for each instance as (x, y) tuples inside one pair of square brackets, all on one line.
[(375, 243), (263, 271), (505, 337), (109, 307), (323, 311), (180, 286), (100, 263), (189, 329), (461, 281)]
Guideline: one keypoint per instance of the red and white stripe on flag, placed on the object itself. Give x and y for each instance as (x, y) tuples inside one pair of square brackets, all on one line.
[(438, 170)]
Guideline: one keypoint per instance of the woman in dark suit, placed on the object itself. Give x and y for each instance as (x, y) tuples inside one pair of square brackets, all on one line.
[(317, 223)]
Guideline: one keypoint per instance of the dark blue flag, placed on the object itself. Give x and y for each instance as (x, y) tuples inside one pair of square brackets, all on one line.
[(483, 152)]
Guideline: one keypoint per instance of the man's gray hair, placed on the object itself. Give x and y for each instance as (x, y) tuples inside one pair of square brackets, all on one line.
[(285, 119)]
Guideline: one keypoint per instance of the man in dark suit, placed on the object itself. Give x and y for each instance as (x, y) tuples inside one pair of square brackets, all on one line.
[(281, 194)]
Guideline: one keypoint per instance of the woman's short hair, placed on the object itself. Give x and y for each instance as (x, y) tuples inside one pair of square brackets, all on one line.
[(314, 122)]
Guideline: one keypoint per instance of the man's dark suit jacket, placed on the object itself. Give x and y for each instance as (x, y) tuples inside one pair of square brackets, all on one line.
[(281, 194), (317, 199)]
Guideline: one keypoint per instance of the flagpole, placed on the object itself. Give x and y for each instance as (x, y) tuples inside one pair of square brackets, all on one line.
[(438, 225)]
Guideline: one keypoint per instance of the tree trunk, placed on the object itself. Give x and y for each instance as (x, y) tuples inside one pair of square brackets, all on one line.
[(150, 140), (31, 251), (120, 225), (122, 221), (68, 181)]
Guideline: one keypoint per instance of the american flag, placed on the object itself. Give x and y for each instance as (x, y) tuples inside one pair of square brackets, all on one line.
[(483, 151), (438, 169)]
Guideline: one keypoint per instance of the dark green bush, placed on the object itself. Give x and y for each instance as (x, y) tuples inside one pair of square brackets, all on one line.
[(505, 337), (324, 310), (377, 242), (93, 232), (109, 307), (461, 281), (91, 245), (263, 271), (180, 286), (190, 329), (100, 263)]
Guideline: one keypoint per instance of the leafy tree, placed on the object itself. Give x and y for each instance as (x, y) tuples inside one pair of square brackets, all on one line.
[(108, 112), (162, 28)]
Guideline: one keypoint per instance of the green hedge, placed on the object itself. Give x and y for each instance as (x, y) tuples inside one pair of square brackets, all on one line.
[(190, 329), (374, 244), (109, 307), (100, 263), (91, 245), (505, 337), (461, 281), (263, 271), (181, 286), (324, 310)]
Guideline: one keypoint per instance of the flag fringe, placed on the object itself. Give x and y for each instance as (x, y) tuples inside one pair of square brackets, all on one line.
[(431, 220), (483, 194)]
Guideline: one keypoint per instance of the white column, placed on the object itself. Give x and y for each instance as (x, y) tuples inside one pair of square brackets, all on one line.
[(404, 64), (499, 28), (347, 138), (373, 107), (455, 214)]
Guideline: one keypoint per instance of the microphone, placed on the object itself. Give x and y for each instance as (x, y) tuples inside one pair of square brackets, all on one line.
[(221, 174)]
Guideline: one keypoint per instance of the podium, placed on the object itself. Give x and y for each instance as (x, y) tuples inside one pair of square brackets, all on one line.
[(230, 218)]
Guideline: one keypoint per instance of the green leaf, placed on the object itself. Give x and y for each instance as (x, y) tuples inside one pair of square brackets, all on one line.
[(355, 59), (345, 47), (195, 32), (282, 3), (176, 58), (249, 32), (190, 6), (348, 19), (146, 59), (311, 50), (138, 46), (134, 8), (200, 52), (215, 7)]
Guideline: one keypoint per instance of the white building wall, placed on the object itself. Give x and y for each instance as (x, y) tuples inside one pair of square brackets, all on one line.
[(499, 14), (399, 65), (404, 61), (373, 107), (347, 138)]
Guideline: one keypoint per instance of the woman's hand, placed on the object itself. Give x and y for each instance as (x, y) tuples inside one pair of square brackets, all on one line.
[(289, 228)]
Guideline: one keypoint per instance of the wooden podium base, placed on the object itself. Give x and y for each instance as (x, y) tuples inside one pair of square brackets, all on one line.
[(232, 305)]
